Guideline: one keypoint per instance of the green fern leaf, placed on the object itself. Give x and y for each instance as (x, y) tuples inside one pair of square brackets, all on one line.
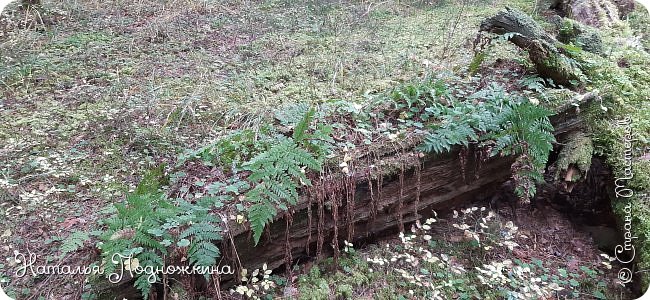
[(74, 242), (299, 132), (259, 215), (144, 286)]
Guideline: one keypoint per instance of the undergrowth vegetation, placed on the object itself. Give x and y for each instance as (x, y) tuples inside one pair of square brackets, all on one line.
[(95, 94), (504, 124)]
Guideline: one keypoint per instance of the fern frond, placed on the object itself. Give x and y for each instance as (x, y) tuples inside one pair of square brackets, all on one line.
[(144, 286), (203, 253), (259, 215), (300, 131), (202, 231), (74, 242), (291, 114), (150, 258)]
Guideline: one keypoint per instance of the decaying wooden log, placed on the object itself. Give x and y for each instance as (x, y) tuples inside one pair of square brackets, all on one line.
[(441, 183), (383, 204), (543, 49)]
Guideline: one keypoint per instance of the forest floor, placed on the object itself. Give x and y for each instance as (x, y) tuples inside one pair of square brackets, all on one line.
[(94, 94), (455, 256)]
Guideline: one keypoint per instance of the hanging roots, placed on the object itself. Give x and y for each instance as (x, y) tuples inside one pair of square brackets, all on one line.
[(335, 199), (380, 184), (287, 243), (418, 176), (311, 193), (320, 198), (462, 156), (400, 202), (230, 252), (350, 187), (373, 203), (380, 179), (480, 156)]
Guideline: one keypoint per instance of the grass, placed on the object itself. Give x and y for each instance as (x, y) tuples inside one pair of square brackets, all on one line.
[(115, 88)]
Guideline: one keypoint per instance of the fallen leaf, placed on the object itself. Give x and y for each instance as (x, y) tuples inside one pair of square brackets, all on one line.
[(519, 254), (70, 222)]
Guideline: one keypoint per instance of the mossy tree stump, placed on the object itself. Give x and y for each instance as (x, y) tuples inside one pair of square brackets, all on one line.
[(29, 3)]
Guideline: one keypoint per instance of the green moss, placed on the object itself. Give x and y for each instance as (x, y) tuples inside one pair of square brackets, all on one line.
[(313, 286), (583, 36), (344, 290), (577, 152), (624, 93), (638, 20), (476, 62), (558, 66), (559, 99)]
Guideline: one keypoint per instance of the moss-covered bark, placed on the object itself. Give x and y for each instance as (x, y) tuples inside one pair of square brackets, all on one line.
[(543, 49), (586, 37), (29, 3), (576, 154)]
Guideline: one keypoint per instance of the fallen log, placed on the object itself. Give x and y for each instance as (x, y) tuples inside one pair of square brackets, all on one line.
[(367, 205), (385, 203), (544, 50)]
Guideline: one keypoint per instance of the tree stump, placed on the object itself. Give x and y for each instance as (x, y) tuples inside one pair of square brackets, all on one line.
[(29, 3)]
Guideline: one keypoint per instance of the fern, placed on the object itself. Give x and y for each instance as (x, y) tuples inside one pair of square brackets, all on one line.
[(259, 215), (278, 173), (527, 132), (445, 137), (142, 227), (525, 128), (281, 161), (152, 181), (135, 229), (418, 95), (202, 251), (144, 286), (136, 226), (291, 114), (300, 132), (457, 126), (74, 242), (512, 125)]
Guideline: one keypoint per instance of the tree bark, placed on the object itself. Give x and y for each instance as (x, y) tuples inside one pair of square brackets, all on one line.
[(543, 49), (29, 3), (596, 13)]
